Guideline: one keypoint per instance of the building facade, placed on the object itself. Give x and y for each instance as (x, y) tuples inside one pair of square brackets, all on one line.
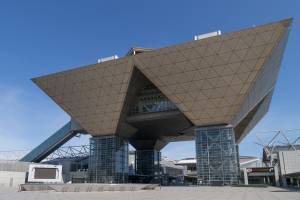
[(151, 97)]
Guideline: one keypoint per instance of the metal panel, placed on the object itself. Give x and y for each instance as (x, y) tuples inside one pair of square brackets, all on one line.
[(263, 86), (208, 80)]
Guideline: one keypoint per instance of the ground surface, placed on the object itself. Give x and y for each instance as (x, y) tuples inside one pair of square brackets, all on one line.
[(166, 193)]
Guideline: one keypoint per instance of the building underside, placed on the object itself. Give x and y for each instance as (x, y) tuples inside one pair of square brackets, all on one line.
[(152, 97)]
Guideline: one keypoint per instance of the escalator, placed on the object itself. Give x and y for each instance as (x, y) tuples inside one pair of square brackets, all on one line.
[(51, 144)]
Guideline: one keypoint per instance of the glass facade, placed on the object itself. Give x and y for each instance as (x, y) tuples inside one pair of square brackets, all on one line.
[(152, 100), (108, 160), (217, 156), (147, 162)]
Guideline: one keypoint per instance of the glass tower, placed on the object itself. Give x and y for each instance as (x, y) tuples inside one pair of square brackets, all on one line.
[(217, 156), (108, 160), (147, 163)]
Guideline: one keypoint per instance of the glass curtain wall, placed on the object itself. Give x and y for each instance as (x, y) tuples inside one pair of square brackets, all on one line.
[(150, 101), (147, 162), (108, 160), (217, 156)]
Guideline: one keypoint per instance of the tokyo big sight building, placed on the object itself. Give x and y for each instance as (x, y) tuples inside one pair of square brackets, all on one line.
[(213, 90)]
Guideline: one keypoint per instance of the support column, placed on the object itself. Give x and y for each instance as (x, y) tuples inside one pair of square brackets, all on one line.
[(108, 162), (147, 163), (217, 156), (284, 182), (245, 176), (276, 176)]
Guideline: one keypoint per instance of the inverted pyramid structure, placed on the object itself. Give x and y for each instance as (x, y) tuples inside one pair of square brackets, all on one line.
[(226, 79)]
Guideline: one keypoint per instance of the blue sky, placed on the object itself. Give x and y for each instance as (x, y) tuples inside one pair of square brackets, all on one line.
[(39, 38)]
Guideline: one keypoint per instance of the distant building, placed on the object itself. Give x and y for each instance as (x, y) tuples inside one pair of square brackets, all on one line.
[(172, 174), (169, 172), (249, 161), (280, 166), (190, 164), (286, 162)]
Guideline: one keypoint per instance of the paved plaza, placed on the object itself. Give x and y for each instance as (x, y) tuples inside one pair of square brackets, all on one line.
[(165, 193)]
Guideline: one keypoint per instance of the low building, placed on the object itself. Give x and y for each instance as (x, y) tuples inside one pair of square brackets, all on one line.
[(289, 162), (280, 166), (249, 161), (191, 175), (286, 162), (191, 165), (172, 174)]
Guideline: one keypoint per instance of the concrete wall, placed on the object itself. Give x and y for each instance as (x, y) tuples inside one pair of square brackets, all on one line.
[(12, 173), (14, 166), (12, 179), (289, 162)]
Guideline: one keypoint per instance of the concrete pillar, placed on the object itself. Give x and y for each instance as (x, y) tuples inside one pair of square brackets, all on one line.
[(276, 176), (108, 161), (217, 156), (284, 183), (245, 176)]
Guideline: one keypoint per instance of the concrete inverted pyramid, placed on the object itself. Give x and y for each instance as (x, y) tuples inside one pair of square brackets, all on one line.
[(209, 80)]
